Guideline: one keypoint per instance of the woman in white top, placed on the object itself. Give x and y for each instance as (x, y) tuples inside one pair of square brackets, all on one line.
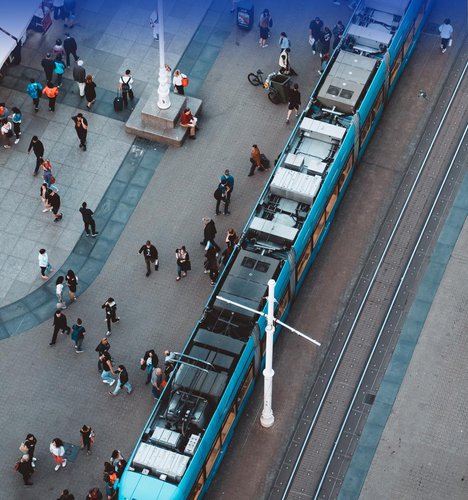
[(7, 132), (59, 292), (58, 451), (43, 263), (177, 82)]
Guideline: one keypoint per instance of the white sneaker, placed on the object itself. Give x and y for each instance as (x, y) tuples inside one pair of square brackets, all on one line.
[(16, 141), (57, 467), (111, 383), (64, 463), (47, 210)]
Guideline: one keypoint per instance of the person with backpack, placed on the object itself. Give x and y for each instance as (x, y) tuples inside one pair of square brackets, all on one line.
[(265, 23), (34, 90), (78, 334), (220, 195), (110, 308), (59, 69), (16, 120), (125, 86), (51, 91)]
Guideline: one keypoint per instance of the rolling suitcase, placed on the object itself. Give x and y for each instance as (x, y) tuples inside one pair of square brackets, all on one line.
[(265, 161), (118, 103)]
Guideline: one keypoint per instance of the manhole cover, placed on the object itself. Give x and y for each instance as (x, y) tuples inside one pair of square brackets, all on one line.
[(369, 399), (431, 29)]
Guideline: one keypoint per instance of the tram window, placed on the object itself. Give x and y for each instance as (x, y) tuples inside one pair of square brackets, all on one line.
[(319, 228), (346, 170), (283, 303), (365, 128), (301, 265), (377, 104), (396, 66), (331, 201), (409, 40), (196, 490), (420, 16), (245, 384), (231, 416), (212, 456)]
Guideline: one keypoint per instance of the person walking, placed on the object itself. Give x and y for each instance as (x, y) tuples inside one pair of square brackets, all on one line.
[(157, 381), (255, 160), (101, 348), (58, 9), (16, 120), (34, 90), (70, 14), (294, 101), (58, 451), (44, 263), (69, 44), (122, 381), (90, 91), (150, 253), (48, 64), (110, 478), (107, 369), (110, 308), (38, 148), (59, 69), (78, 334), (88, 221), (148, 363), (177, 81), (54, 202), (58, 48), (59, 292), (211, 263), (44, 193), (126, 87), (446, 33), (25, 468), (79, 75), (284, 42), (60, 323), (209, 233), (51, 91), (183, 262), (7, 133), (315, 33), (154, 23), (81, 129), (338, 31), (265, 23), (87, 438), (72, 282), (324, 42)]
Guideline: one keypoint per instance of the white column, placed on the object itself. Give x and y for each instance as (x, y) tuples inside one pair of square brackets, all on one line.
[(267, 419), (164, 76)]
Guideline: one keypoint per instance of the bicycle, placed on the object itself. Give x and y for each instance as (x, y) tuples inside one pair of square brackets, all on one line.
[(256, 79)]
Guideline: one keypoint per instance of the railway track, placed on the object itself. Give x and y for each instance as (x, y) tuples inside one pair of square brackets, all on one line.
[(326, 436)]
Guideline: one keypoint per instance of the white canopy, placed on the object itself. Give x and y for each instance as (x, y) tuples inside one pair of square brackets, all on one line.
[(15, 17), (7, 44)]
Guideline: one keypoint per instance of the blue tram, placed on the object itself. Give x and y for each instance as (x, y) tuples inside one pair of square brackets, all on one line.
[(183, 442)]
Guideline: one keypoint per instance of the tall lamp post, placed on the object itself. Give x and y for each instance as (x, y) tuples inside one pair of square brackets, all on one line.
[(267, 418), (164, 84)]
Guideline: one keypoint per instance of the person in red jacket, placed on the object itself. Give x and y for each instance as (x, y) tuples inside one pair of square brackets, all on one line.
[(51, 91), (187, 120)]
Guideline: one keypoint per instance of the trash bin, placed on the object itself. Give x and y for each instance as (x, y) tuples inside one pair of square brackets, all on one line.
[(245, 15), (279, 85)]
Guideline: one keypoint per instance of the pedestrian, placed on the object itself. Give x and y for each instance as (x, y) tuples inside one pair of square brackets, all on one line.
[(58, 48), (187, 120), (324, 58), (265, 23), (157, 380), (88, 221), (81, 129), (48, 64), (169, 364), (284, 42), (59, 292), (79, 75), (58, 451), (148, 362), (44, 263), (183, 262), (90, 91), (211, 263), (7, 133), (60, 323), (72, 282), (120, 468), (94, 494), (154, 23), (69, 13), (16, 120), (229, 179), (122, 381), (101, 348), (220, 195), (110, 477), (54, 201), (34, 90), (107, 369), (294, 101), (59, 69), (315, 33), (209, 233), (150, 253), (446, 33), (51, 91), (66, 495), (285, 63), (231, 238), (69, 44), (3, 111), (126, 87), (78, 335), (25, 468), (177, 81), (44, 192), (58, 9), (87, 438), (28, 446), (38, 148), (115, 458), (49, 179), (338, 31), (324, 42), (111, 313), (255, 160)]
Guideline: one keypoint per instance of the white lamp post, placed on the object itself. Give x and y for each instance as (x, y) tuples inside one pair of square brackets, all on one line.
[(164, 84), (267, 418)]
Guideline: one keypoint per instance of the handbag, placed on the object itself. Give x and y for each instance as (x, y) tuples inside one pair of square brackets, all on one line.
[(61, 305), (185, 81), (23, 448), (311, 40)]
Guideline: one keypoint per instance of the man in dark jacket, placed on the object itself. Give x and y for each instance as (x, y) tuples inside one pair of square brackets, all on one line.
[(38, 148), (54, 201), (69, 44), (60, 323), (150, 253), (315, 32), (122, 381), (294, 101), (88, 220), (209, 233), (24, 467), (49, 66), (79, 75)]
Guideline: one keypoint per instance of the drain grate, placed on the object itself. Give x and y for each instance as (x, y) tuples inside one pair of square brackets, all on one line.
[(369, 398)]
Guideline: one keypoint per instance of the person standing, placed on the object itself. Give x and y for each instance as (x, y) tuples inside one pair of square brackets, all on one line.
[(78, 335), (58, 451), (284, 42), (255, 160), (44, 263), (38, 148), (150, 253), (48, 64), (66, 495), (231, 238), (154, 23), (54, 201), (178, 83), (51, 91), (58, 9), (148, 363), (315, 33), (294, 101), (183, 262), (34, 90), (211, 263), (285, 63), (88, 220), (30, 445), (224, 195), (7, 133), (101, 348), (81, 129), (446, 33), (90, 91), (25, 468), (325, 39), (265, 23), (338, 31), (79, 75), (59, 292), (69, 44), (87, 435), (157, 380), (107, 369), (94, 494), (126, 87), (229, 180), (59, 69), (72, 282), (69, 13), (122, 381), (16, 120), (60, 323), (110, 308), (209, 233)]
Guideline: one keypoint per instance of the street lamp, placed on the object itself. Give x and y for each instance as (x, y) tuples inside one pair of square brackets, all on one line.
[(164, 84), (267, 418)]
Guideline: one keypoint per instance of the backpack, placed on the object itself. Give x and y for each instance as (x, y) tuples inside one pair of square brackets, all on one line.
[(125, 85), (218, 194)]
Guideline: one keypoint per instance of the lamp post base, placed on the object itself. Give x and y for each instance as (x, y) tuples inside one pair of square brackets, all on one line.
[(267, 420)]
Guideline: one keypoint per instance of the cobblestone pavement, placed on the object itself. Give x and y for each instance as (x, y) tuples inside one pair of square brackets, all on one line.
[(53, 391)]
